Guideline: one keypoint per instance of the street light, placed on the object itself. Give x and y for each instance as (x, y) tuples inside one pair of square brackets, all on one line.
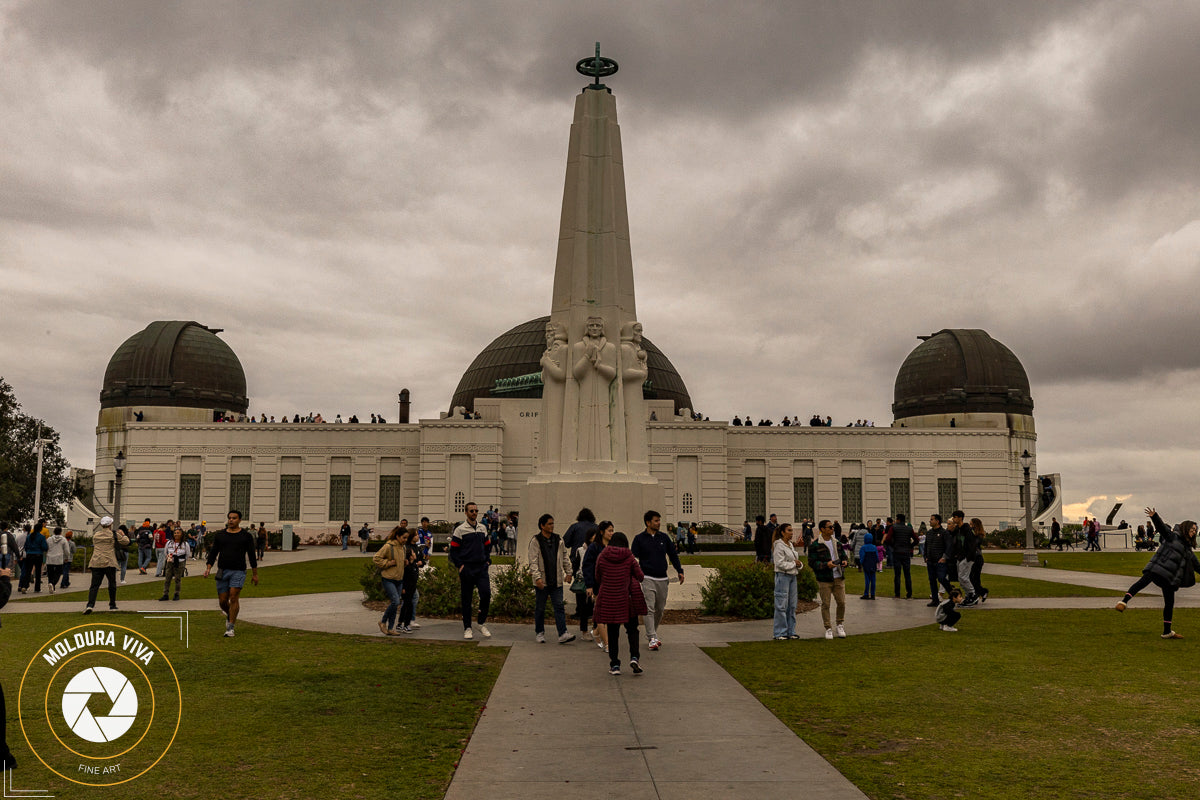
[(119, 466), (1030, 558)]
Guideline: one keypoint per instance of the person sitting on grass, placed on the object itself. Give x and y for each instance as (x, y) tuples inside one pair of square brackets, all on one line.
[(946, 616), (1173, 566)]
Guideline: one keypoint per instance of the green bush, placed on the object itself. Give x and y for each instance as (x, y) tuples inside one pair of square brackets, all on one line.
[(1013, 539), (372, 584), (730, 546), (739, 590), (275, 540), (512, 592), (439, 592), (806, 584)]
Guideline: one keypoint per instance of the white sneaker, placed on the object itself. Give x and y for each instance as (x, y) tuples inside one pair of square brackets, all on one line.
[(416, 626), (841, 632), (467, 634), (828, 633), (122, 583), (541, 638), (566, 637), (948, 628), (484, 632)]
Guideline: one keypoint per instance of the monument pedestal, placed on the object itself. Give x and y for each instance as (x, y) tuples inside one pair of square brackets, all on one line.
[(618, 497)]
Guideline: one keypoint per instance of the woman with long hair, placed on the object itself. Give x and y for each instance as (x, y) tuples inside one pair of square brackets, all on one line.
[(413, 561), (390, 558), (604, 532), (585, 603), (977, 565), (787, 569), (1173, 566)]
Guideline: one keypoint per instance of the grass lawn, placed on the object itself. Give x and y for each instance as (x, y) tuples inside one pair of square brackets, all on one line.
[(997, 586), (1110, 563), (288, 714), (1018, 704)]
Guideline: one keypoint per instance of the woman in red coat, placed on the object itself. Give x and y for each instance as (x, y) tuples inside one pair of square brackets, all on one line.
[(620, 601)]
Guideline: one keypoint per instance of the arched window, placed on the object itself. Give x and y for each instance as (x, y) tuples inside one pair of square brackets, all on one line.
[(460, 502), (687, 503)]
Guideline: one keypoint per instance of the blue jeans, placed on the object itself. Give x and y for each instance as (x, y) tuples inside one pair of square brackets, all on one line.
[(144, 554), (868, 583), (938, 572), (345, 541), (392, 589), (160, 555), (785, 604), (555, 595)]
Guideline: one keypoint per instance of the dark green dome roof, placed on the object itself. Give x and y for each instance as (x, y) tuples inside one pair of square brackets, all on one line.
[(179, 364), (518, 353), (961, 371)]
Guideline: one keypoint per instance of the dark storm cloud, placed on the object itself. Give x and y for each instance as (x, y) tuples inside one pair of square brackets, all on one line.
[(364, 194)]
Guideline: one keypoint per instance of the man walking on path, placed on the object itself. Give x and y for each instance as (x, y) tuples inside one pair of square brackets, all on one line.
[(470, 554), (145, 543), (903, 542), (828, 562), (550, 565), (229, 550), (963, 550), (937, 544), (652, 548)]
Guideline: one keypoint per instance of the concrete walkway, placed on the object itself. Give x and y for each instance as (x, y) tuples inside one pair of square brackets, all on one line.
[(556, 724)]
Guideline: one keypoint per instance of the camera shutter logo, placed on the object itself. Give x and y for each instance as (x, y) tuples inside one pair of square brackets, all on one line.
[(99, 681)]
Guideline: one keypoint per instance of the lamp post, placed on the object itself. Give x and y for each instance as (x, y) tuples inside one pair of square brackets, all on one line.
[(119, 466), (1030, 558)]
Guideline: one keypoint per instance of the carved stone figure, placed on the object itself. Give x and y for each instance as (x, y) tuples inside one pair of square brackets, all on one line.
[(595, 369), (554, 378), (634, 370)]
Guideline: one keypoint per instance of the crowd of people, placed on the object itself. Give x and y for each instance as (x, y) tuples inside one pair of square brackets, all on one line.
[(376, 419), (788, 422)]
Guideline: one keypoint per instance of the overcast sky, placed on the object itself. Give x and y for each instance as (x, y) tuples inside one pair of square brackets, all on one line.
[(363, 195)]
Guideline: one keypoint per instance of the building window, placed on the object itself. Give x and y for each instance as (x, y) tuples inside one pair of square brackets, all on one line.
[(289, 497), (687, 503), (189, 497), (460, 502), (389, 497), (901, 503), (947, 496), (239, 494), (339, 497), (852, 501), (803, 499), (756, 497)]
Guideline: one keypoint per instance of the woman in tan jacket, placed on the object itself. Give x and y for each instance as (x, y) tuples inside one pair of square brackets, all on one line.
[(104, 563), (390, 558)]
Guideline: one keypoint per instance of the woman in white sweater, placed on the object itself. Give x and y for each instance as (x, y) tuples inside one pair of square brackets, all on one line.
[(787, 568)]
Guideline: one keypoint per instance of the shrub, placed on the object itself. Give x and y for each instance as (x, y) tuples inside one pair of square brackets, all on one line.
[(512, 592), (739, 590), (372, 584), (1013, 539), (806, 584), (438, 588), (711, 529), (275, 540)]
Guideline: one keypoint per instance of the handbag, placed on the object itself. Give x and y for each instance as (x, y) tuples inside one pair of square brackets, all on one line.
[(578, 585)]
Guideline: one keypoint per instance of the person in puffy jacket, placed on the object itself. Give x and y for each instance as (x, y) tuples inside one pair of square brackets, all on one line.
[(1173, 565), (620, 600)]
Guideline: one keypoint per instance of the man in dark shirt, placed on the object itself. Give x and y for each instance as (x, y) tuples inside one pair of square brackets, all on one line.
[(903, 542), (229, 550), (653, 548), (937, 544), (345, 533), (762, 539)]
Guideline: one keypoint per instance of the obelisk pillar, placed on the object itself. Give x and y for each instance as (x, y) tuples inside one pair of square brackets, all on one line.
[(592, 442)]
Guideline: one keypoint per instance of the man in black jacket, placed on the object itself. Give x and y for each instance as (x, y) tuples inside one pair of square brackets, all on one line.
[(937, 544), (762, 539), (904, 541)]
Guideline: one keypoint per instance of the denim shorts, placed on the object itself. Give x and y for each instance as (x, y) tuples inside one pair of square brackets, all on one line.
[(226, 578)]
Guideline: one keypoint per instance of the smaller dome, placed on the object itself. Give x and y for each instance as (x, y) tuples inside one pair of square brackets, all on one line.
[(961, 371), (178, 364)]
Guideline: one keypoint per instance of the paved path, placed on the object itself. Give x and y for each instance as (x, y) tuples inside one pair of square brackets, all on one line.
[(556, 724)]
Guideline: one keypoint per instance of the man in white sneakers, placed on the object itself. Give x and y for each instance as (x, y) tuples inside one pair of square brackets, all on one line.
[(653, 548), (471, 555)]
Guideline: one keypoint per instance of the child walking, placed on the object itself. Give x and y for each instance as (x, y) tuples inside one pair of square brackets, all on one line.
[(868, 558)]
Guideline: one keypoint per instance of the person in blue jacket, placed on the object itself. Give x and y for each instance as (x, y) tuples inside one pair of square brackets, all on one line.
[(868, 558)]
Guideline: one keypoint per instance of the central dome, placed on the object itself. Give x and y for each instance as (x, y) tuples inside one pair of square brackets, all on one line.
[(517, 353)]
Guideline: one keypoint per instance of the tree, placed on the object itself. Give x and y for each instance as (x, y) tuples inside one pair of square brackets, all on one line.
[(18, 464)]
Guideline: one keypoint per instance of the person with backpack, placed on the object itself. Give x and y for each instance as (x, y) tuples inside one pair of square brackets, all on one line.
[(1173, 566)]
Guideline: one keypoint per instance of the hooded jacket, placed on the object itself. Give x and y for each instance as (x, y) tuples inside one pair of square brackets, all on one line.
[(58, 549), (1171, 561), (619, 577), (868, 553)]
